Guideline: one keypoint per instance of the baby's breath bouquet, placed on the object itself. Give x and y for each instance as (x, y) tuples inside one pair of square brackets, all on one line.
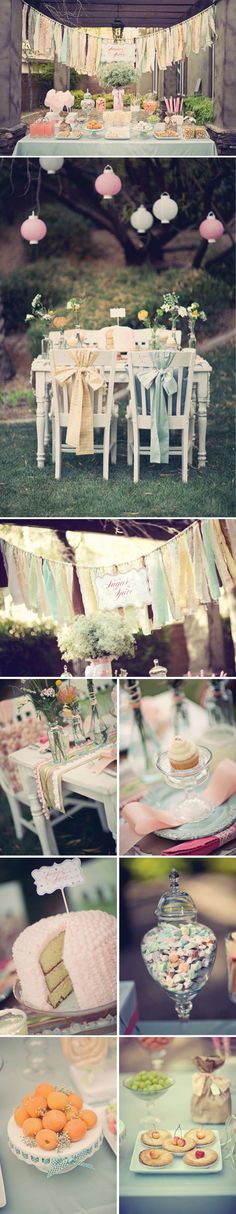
[(94, 636)]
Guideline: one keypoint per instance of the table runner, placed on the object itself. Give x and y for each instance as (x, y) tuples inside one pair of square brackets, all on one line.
[(49, 775)]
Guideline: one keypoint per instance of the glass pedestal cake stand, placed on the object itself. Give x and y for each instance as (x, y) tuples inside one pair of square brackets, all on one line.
[(67, 1018), (189, 781), (149, 1120)]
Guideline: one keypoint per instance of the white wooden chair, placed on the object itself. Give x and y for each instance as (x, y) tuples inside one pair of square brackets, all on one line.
[(104, 409), (22, 714), (178, 407)]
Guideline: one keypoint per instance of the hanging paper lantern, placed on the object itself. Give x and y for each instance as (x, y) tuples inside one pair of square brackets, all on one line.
[(33, 229), (51, 164), (141, 220), (108, 184), (165, 208), (211, 229)]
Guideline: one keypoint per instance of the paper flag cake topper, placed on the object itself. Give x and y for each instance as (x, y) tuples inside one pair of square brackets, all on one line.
[(48, 878)]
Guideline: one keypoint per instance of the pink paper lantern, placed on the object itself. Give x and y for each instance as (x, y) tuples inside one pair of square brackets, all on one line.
[(108, 184), (33, 229), (211, 228)]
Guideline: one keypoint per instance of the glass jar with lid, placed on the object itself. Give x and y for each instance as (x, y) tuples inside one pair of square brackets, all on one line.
[(180, 952)]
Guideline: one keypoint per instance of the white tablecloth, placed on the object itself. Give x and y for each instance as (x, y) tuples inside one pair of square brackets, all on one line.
[(94, 146)]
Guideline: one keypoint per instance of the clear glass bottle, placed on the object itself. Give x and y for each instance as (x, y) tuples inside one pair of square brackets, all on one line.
[(58, 743), (181, 709), (77, 729), (220, 733), (180, 952), (97, 729), (144, 746)]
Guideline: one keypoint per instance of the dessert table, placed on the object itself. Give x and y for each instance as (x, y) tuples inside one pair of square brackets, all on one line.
[(81, 1191), (41, 383), (215, 1194), (100, 786), (91, 147)]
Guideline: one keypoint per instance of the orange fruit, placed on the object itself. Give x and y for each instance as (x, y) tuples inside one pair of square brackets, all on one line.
[(43, 1089), (35, 1106), (74, 1100), (75, 1129), (31, 1126), (20, 1114), (47, 1140), (89, 1117), (54, 1120), (57, 1100)]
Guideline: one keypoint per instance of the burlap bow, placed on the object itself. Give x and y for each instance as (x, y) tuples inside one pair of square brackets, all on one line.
[(80, 377)]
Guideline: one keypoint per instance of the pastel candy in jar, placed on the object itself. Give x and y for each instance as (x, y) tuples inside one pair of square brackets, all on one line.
[(180, 952)]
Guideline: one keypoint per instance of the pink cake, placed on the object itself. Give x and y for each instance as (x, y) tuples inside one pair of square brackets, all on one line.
[(66, 953)]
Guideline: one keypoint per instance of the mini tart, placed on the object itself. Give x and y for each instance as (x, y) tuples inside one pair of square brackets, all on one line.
[(153, 1138), (186, 1145), (205, 1161), (202, 1137), (156, 1158), (183, 755)]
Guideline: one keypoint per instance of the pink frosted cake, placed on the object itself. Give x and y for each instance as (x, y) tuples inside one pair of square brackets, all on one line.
[(68, 954)]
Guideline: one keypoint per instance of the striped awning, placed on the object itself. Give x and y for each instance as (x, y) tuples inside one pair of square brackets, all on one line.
[(155, 14)]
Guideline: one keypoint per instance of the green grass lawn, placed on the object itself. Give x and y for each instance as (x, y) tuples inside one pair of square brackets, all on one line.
[(26, 491)]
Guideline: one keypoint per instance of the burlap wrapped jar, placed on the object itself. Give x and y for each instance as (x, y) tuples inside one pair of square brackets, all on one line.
[(211, 1094)]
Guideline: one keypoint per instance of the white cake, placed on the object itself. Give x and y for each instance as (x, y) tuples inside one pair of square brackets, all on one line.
[(74, 952)]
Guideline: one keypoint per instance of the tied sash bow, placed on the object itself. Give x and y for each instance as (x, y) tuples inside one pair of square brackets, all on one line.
[(81, 377), (159, 381)]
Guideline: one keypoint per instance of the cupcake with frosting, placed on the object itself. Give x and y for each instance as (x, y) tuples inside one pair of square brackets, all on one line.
[(183, 754)]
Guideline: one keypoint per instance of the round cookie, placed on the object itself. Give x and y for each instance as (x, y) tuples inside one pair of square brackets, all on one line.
[(153, 1138), (156, 1158), (202, 1137), (179, 1143), (200, 1158)]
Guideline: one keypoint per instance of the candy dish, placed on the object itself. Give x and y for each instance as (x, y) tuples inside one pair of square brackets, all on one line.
[(178, 1164), (149, 1092), (189, 780)]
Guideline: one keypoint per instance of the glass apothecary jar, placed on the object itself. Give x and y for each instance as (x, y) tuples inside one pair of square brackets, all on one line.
[(180, 952)]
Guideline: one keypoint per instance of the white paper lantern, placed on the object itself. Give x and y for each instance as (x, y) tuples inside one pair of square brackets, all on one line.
[(141, 220), (51, 164), (165, 208)]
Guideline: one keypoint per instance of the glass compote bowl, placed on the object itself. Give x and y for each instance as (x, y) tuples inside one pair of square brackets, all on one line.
[(190, 780), (148, 1095)]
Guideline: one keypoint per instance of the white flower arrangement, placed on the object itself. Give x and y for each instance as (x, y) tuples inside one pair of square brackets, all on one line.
[(103, 634)]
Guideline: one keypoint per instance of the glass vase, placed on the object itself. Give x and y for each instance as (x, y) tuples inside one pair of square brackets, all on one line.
[(58, 743), (192, 338), (144, 746), (97, 729), (77, 730)]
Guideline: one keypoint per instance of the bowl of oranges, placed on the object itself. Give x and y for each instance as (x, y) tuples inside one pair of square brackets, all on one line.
[(53, 1130)]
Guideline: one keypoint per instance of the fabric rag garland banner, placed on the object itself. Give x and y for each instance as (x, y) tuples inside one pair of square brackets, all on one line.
[(188, 570), (85, 48)]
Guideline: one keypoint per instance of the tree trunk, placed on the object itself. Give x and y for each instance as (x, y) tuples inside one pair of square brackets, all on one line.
[(225, 55), (6, 366), (10, 73)]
